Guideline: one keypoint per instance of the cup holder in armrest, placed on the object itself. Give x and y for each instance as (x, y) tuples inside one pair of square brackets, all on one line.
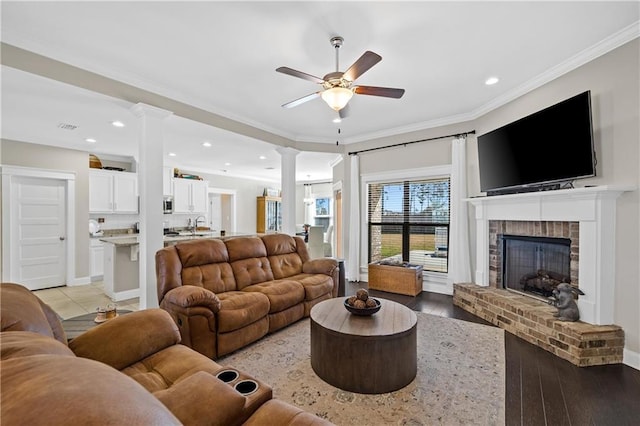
[(246, 387), (227, 376)]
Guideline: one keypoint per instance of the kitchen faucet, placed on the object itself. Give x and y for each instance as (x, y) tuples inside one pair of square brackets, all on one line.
[(195, 222)]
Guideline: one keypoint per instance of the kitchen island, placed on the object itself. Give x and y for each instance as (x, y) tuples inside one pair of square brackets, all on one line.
[(121, 267)]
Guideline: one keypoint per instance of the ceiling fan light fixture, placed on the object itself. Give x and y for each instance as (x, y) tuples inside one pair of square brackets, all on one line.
[(337, 97)]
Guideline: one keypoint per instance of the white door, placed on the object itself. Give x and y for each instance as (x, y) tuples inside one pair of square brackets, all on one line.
[(215, 212), (39, 243)]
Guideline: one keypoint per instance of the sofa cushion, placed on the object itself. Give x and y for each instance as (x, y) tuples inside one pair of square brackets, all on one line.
[(23, 311), (202, 252), (215, 277), (251, 271), (245, 248), (285, 265), (65, 390), (205, 263), (239, 309), (282, 294), (171, 365), (16, 344), (315, 285)]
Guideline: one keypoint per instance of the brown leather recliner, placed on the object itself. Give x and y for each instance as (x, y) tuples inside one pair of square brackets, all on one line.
[(224, 295), (128, 370)]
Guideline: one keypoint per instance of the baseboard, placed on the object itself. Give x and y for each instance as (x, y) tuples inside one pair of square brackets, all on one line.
[(79, 281), (119, 296), (630, 358)]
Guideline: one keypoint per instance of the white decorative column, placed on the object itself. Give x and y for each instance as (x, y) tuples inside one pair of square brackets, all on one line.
[(288, 186), (150, 162), (594, 208)]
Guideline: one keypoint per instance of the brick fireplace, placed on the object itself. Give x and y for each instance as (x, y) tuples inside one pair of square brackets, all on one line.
[(584, 216)]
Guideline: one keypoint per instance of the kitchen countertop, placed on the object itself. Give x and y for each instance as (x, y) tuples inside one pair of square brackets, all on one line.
[(130, 240)]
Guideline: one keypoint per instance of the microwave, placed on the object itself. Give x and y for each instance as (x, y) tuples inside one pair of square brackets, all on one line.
[(167, 205)]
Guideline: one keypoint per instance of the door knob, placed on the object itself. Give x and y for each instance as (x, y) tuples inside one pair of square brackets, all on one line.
[(61, 238)]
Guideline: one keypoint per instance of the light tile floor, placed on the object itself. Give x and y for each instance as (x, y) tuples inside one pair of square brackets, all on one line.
[(69, 302)]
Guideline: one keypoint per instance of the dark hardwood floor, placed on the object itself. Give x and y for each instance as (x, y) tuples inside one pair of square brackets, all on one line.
[(540, 388)]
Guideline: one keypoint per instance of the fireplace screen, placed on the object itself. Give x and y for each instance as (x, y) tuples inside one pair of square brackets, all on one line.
[(535, 265)]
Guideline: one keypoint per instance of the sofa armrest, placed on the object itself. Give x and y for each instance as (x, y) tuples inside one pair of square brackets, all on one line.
[(203, 399), (127, 339), (281, 413), (324, 265), (190, 296)]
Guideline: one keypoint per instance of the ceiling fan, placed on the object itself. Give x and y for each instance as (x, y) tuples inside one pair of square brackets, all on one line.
[(338, 87)]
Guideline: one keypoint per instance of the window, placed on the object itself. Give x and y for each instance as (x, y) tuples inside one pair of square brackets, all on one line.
[(408, 221)]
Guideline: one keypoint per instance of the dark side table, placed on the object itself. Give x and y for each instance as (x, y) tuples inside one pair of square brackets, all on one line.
[(73, 327)]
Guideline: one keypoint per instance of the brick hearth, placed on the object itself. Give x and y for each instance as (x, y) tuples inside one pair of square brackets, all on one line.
[(580, 343)]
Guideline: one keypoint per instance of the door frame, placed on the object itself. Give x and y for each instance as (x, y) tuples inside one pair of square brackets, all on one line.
[(8, 173), (232, 193)]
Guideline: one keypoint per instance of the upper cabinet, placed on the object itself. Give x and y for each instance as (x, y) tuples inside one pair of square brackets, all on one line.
[(190, 195), (167, 181), (113, 192)]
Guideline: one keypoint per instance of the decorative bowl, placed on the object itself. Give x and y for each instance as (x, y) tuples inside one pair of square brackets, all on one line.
[(363, 311)]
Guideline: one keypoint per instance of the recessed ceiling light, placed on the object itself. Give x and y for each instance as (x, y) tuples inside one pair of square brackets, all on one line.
[(206, 144), (90, 140), (172, 154), (227, 164), (262, 157), (117, 123), (491, 81)]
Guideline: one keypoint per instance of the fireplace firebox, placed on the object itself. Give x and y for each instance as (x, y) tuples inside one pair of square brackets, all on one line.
[(534, 266)]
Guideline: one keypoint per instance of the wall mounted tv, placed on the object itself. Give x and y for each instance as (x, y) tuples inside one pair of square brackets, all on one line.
[(541, 151)]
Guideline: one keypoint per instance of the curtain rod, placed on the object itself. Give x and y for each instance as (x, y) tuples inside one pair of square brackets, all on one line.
[(471, 132)]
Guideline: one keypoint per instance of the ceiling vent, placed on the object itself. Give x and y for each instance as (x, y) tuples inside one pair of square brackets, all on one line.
[(67, 126)]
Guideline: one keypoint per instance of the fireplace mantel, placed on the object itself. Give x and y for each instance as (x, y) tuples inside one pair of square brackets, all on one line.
[(595, 210)]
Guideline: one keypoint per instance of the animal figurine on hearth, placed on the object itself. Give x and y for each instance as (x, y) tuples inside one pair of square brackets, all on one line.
[(563, 299)]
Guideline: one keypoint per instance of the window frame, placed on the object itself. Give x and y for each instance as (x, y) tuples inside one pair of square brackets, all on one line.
[(423, 173)]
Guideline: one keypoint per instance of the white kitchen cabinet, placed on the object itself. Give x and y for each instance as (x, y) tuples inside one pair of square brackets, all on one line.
[(190, 196), (167, 180), (113, 192), (96, 258)]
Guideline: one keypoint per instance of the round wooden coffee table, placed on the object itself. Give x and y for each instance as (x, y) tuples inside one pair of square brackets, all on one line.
[(373, 354)]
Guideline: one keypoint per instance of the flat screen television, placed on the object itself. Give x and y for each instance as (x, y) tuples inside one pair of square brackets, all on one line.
[(541, 151)]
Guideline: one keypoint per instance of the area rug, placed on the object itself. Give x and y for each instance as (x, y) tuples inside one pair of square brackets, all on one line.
[(460, 379)]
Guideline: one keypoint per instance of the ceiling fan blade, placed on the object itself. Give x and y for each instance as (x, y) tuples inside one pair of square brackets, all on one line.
[(344, 112), (301, 100), (359, 67), (386, 92), (300, 74)]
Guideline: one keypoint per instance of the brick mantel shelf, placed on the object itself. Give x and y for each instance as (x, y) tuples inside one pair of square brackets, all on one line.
[(594, 208)]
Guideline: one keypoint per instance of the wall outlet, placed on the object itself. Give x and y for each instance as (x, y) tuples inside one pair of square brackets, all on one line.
[(101, 220)]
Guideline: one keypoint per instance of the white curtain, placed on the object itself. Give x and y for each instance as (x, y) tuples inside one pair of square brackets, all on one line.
[(459, 259), (353, 255)]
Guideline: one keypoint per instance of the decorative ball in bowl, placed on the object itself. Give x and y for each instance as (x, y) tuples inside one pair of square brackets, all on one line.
[(362, 304)]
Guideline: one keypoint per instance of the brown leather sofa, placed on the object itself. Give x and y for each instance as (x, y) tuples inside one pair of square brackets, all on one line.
[(224, 295), (130, 370)]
